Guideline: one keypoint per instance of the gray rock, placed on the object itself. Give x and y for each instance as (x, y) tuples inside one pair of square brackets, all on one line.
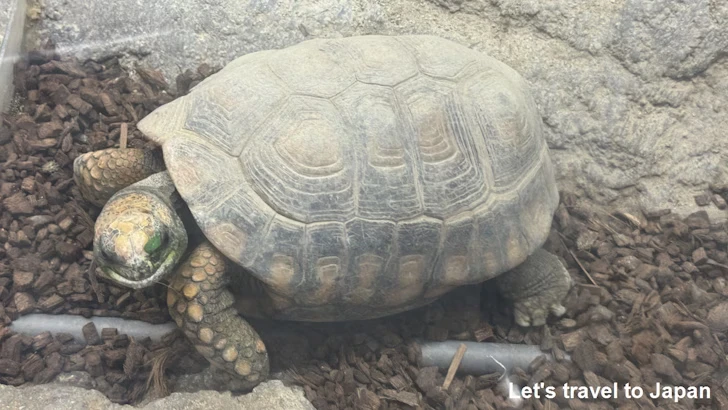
[(52, 397), (679, 39), (632, 92), (274, 395), (270, 395)]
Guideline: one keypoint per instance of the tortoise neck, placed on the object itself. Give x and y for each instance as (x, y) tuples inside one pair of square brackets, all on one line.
[(160, 185)]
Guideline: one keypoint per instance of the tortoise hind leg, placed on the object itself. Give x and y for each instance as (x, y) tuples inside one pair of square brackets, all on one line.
[(536, 287), (202, 306)]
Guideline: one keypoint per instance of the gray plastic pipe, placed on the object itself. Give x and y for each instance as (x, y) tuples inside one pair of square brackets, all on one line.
[(38, 323), (479, 358)]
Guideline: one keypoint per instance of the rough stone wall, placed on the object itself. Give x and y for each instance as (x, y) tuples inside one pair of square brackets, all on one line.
[(633, 93)]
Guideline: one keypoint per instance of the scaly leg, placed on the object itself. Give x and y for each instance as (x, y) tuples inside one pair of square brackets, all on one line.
[(536, 287), (202, 306), (100, 174)]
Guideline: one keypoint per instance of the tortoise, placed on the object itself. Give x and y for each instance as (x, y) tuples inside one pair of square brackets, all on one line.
[(337, 179)]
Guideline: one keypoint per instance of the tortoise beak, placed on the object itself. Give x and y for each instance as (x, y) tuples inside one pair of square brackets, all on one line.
[(162, 271)]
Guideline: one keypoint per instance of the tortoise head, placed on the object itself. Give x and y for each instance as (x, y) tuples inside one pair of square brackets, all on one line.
[(138, 239)]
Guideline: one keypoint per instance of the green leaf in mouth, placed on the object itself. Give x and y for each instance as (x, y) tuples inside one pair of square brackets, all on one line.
[(153, 243)]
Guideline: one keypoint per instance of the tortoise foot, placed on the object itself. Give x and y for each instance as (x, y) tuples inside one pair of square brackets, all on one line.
[(537, 287), (202, 306)]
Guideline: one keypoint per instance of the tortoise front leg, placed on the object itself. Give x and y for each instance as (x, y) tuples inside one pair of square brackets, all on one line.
[(202, 306), (100, 174)]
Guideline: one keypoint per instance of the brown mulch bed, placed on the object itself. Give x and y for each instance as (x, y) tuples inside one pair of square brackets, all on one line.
[(648, 305)]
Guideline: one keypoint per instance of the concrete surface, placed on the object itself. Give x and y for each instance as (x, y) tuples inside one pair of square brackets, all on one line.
[(633, 93), (271, 395)]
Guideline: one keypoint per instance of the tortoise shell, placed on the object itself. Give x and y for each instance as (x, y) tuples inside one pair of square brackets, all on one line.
[(362, 176)]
